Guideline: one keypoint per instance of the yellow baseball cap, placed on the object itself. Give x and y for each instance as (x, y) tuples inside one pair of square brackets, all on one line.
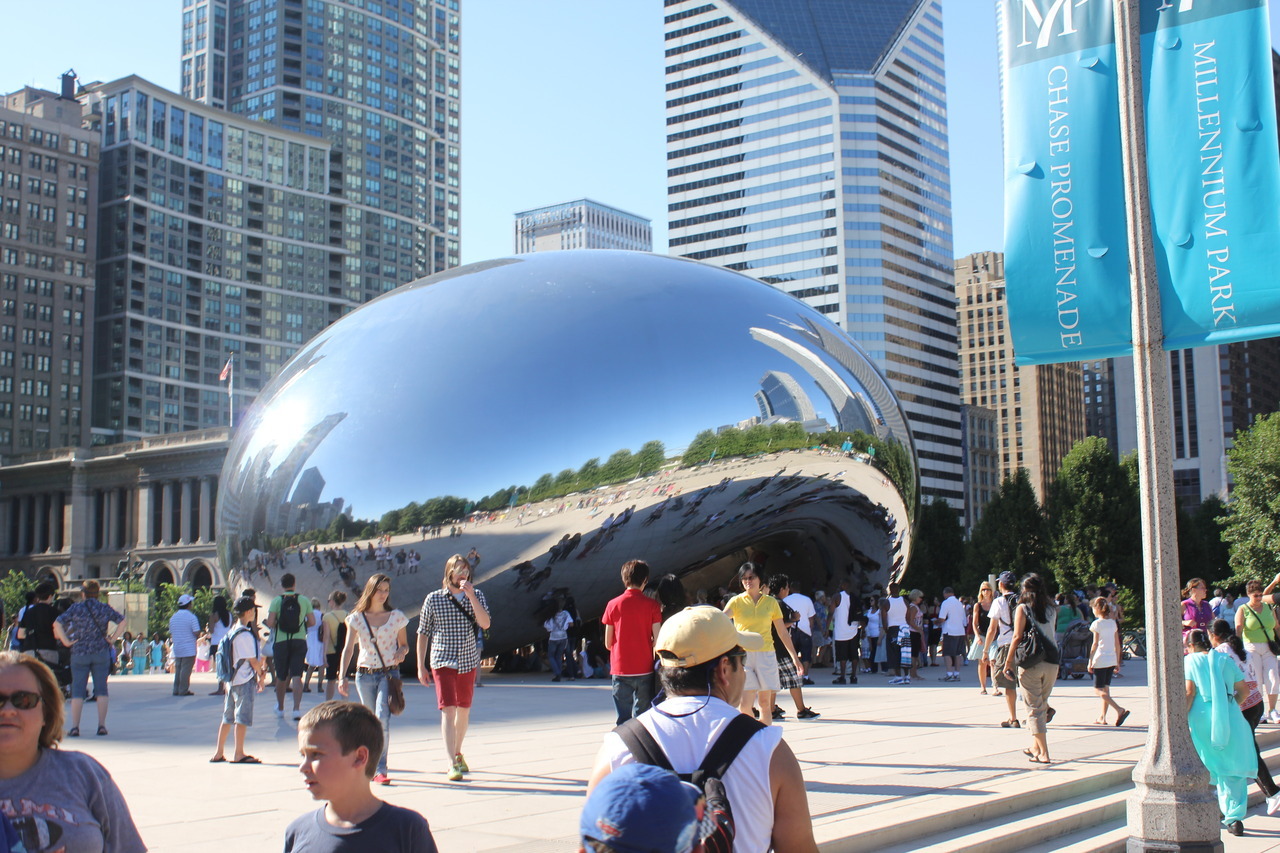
[(698, 634)]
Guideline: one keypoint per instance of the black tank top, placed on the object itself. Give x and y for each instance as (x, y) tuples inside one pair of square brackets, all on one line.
[(984, 620)]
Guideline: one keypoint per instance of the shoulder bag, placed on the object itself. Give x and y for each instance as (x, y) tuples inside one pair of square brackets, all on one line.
[(1272, 642), (395, 689), (1034, 648)]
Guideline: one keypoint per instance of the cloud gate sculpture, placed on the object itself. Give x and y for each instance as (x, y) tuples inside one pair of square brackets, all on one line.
[(562, 413)]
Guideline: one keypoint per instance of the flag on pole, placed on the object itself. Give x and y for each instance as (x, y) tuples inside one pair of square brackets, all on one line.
[(226, 372)]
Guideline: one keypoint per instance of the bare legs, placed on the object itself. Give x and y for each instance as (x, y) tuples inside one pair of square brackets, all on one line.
[(453, 728)]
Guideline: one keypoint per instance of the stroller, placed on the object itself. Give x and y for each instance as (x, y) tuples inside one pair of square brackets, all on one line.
[(1073, 651)]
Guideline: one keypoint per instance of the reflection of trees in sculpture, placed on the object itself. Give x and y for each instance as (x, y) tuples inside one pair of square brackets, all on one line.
[(620, 467), (890, 456)]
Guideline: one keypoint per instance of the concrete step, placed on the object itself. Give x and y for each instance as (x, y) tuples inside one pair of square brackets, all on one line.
[(1109, 837), (1013, 833)]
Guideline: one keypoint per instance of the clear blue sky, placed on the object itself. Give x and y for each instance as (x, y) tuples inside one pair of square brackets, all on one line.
[(561, 99)]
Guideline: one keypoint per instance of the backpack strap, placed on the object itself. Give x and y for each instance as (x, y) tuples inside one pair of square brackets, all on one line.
[(642, 745), (731, 741)]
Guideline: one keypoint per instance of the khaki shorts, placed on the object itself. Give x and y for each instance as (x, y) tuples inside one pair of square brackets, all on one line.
[(762, 671)]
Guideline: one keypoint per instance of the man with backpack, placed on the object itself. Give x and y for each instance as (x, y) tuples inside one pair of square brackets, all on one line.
[(999, 635), (751, 778), (238, 664), (289, 615)]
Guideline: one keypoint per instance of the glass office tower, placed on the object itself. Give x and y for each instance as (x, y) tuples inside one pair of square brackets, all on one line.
[(807, 147)]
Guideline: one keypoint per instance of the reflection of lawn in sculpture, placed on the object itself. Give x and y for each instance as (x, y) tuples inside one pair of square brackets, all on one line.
[(674, 542)]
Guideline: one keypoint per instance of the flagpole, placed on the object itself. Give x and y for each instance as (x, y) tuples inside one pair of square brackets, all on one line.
[(231, 389), (1172, 807)]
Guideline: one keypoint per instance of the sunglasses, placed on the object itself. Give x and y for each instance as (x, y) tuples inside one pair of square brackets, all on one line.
[(23, 700)]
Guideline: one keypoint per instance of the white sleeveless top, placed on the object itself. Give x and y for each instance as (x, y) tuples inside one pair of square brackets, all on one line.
[(897, 615), (686, 742)]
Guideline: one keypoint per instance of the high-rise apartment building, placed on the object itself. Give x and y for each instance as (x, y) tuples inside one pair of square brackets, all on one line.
[(376, 79), (1100, 401), (218, 234), (48, 197), (581, 224), (807, 146), (1214, 392), (1039, 409), (982, 477)]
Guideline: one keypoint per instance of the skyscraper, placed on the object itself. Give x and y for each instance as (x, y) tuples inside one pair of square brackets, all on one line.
[(581, 224), (807, 146), (48, 237), (1038, 409), (376, 79)]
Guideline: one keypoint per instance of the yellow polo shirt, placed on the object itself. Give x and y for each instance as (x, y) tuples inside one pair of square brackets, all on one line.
[(755, 616)]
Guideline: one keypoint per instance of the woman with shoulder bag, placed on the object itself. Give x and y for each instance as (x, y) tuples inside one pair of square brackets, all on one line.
[(1256, 625), (1033, 652), (379, 630)]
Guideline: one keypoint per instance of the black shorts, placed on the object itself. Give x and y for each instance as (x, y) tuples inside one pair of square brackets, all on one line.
[(290, 657), (845, 650), (331, 663), (804, 645), (1102, 676), (953, 645)]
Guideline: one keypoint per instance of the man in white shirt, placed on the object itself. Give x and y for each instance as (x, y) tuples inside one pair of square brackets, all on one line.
[(802, 633), (844, 636), (951, 615)]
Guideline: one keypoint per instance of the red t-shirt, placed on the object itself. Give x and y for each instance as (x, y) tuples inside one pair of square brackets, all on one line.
[(632, 615)]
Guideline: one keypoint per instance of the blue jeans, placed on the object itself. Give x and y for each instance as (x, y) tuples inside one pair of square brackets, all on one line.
[(632, 695), (98, 663), (561, 662), (375, 695)]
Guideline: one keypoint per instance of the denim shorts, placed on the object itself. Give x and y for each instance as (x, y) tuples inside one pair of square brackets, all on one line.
[(238, 706)]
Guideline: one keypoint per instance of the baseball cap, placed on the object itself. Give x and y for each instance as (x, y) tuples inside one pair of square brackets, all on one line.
[(184, 599), (639, 808), (1008, 579), (244, 605), (698, 634)]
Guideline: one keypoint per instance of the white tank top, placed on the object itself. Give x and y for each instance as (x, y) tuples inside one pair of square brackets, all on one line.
[(687, 740), (897, 615)]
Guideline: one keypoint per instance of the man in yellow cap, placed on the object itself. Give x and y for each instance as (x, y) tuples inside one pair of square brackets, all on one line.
[(700, 655)]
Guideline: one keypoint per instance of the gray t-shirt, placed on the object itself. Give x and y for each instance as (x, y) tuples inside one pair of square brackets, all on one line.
[(68, 801), (391, 829)]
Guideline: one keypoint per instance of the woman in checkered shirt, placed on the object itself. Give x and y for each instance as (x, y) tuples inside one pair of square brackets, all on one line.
[(450, 621)]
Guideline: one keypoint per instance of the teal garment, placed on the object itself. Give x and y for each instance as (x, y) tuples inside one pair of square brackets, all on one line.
[(1221, 734)]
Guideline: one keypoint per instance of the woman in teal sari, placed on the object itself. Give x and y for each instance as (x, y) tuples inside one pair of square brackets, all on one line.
[(1219, 731)]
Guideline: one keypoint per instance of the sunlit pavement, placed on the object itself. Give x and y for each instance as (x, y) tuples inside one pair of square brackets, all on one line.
[(879, 754)]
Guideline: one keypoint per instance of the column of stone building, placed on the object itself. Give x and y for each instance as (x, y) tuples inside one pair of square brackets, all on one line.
[(111, 498), (38, 518), (55, 521), (7, 541), (184, 514), (206, 509), (146, 518), (166, 512), (24, 521)]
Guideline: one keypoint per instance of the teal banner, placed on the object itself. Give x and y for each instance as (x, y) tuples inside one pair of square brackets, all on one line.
[(1066, 250), (1213, 168)]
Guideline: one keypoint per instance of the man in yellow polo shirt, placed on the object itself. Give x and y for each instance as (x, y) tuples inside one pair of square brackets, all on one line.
[(755, 612)]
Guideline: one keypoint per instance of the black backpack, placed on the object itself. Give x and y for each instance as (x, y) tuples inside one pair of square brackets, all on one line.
[(717, 830), (290, 621)]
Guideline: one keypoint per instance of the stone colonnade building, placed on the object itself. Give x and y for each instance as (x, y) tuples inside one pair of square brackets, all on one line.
[(76, 513)]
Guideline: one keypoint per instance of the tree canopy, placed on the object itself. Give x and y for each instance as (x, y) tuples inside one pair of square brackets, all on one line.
[(1253, 526), (1011, 535)]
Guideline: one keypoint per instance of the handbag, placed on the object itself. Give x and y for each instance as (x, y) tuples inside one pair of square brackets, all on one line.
[(395, 688), (1034, 648)]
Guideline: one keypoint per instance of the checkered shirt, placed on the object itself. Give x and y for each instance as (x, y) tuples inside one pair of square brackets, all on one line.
[(453, 640)]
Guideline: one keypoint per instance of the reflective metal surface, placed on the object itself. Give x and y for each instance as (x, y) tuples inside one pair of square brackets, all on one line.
[(597, 379)]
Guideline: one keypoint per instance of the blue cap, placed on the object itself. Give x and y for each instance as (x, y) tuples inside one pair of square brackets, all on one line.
[(639, 808), (1007, 578)]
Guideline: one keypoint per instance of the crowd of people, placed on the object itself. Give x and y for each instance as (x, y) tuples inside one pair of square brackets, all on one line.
[(694, 685)]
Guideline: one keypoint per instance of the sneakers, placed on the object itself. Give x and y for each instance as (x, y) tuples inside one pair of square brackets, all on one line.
[(810, 714), (382, 778), (1274, 716), (902, 679), (279, 713), (461, 763), (1273, 803), (838, 680), (778, 713), (297, 714), (807, 681), (455, 773)]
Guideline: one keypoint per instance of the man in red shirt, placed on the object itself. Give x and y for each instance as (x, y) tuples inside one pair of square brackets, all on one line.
[(631, 624)]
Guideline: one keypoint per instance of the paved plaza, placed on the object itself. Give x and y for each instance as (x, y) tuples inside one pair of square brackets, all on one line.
[(881, 763)]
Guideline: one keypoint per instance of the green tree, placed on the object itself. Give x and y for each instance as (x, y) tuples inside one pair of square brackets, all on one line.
[(13, 593), (651, 457), (164, 601), (1252, 528), (937, 549), (1095, 518), (390, 521), (1011, 534), (700, 449)]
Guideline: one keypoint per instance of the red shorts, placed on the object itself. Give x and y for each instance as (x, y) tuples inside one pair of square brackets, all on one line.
[(454, 689)]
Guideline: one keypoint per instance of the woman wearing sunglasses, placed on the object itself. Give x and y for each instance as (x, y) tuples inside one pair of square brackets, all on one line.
[(46, 785)]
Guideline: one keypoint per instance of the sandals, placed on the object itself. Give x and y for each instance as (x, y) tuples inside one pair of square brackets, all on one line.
[(75, 732), (1010, 724), (248, 759), (102, 731), (1124, 715), (218, 759)]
